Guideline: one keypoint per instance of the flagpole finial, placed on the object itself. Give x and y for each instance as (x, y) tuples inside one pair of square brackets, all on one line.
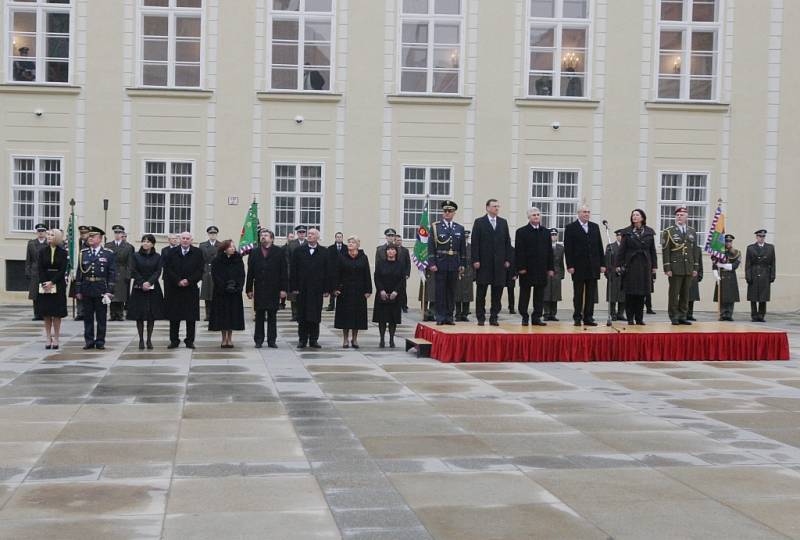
[(719, 200), (72, 203)]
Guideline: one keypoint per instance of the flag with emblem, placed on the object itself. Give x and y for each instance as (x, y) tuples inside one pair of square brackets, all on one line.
[(249, 237), (715, 240), (71, 241), (420, 254)]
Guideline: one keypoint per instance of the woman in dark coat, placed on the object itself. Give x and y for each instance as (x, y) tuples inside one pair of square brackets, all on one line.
[(146, 302), (52, 286), (267, 282), (227, 307), (388, 284), (353, 286), (637, 262)]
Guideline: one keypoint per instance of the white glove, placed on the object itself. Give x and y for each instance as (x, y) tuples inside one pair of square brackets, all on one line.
[(716, 274), (726, 266), (106, 299)]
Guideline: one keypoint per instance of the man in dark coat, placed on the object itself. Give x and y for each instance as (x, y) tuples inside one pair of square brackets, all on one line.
[(615, 296), (727, 282), (552, 292), (94, 287), (533, 261), (334, 251), (32, 266), (291, 246), (209, 249), (491, 258), (172, 242), (309, 280), (759, 272), (183, 270), (694, 290), (267, 283), (583, 252), (123, 260), (447, 256)]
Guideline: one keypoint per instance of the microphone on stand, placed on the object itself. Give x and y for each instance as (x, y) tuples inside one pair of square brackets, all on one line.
[(608, 281)]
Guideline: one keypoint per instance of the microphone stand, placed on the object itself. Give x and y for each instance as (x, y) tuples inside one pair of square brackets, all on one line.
[(608, 280)]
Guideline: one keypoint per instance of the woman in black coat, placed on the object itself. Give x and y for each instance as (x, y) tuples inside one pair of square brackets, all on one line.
[(146, 302), (353, 285), (227, 307), (637, 263), (267, 282), (389, 277), (52, 287)]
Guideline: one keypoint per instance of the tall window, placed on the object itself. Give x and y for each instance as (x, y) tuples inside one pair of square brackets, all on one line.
[(39, 41), (422, 185), (171, 43), (688, 49), (168, 192), (557, 194), (297, 196), (36, 186), (431, 44), (687, 189), (558, 53), (301, 44)]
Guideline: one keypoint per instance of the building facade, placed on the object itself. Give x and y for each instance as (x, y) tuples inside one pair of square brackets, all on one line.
[(352, 115)]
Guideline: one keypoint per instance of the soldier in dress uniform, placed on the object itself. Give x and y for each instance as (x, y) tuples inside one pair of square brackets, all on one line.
[(614, 293), (32, 266), (448, 258), (464, 290), (291, 246), (123, 259), (678, 243), (727, 284), (552, 291), (759, 272), (83, 236), (694, 290), (94, 281), (209, 249)]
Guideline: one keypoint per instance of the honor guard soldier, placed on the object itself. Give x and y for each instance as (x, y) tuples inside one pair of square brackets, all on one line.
[(678, 251), (552, 292), (726, 291), (83, 239), (209, 249), (447, 261), (32, 266), (123, 259), (299, 241), (759, 272), (95, 281)]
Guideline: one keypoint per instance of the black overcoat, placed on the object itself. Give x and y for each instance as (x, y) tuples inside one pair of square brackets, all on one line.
[(759, 271), (182, 303), (145, 305), (533, 253), (583, 251), (389, 278), (637, 258), (227, 307), (310, 277), (353, 281), (55, 271), (267, 277), (492, 248)]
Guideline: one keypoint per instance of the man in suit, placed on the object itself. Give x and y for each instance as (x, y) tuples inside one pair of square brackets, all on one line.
[(678, 253), (552, 292), (95, 281), (583, 251), (491, 257), (32, 266), (310, 281), (291, 245), (759, 272), (266, 284), (183, 270), (447, 256), (533, 260), (172, 242), (209, 250), (334, 251), (123, 259)]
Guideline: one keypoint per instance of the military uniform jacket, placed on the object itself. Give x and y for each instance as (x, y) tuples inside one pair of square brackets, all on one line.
[(464, 285), (123, 261), (614, 291), (32, 265), (728, 282), (96, 273), (447, 247), (209, 252), (759, 271), (678, 250), (552, 291)]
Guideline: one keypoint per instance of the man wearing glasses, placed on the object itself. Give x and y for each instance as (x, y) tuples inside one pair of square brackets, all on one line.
[(448, 256)]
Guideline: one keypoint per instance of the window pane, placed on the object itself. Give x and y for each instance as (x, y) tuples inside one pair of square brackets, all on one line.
[(445, 58), (671, 40), (58, 23), (447, 7), (318, 5), (155, 25), (155, 49), (542, 61), (541, 85), (23, 210), (187, 26), (285, 30), (669, 88), (316, 79), (541, 183), (702, 41), (572, 86), (704, 11), (543, 37), (543, 8), (446, 34), (415, 33), (285, 176), (190, 3), (440, 183), (187, 51), (23, 21), (318, 31), (415, 6), (445, 82), (180, 212), (573, 61), (415, 57), (412, 211), (284, 53), (284, 78), (156, 3), (669, 64), (311, 179), (700, 89), (702, 64), (413, 81), (154, 75), (573, 38), (317, 55), (155, 175), (58, 72), (182, 175), (576, 9), (286, 5), (671, 10), (50, 172), (414, 183), (670, 187)]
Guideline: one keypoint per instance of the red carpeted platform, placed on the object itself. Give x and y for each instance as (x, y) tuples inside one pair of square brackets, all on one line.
[(563, 342)]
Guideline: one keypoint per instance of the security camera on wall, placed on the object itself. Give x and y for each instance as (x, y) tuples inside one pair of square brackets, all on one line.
[(298, 119), (556, 125), (38, 112)]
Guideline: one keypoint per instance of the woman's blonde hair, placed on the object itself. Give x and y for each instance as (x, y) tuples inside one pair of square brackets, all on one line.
[(355, 238), (58, 236)]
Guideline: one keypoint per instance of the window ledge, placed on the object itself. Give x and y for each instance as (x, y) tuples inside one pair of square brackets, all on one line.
[(557, 103), (169, 93), (55, 89), (687, 106), (312, 97), (429, 99)]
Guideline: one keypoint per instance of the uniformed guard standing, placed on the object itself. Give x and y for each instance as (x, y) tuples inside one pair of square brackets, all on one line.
[(123, 259), (552, 291), (465, 290), (725, 273), (291, 245), (32, 266), (95, 280), (209, 249), (614, 293), (759, 272), (83, 241), (447, 260), (678, 243), (694, 290)]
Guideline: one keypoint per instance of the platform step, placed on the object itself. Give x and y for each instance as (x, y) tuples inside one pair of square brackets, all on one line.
[(423, 346)]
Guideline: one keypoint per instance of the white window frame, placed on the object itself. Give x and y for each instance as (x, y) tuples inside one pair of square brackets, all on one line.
[(559, 22), (550, 215), (701, 236), (433, 209), (36, 188), (41, 8), (297, 194), (167, 191), (171, 12), (687, 27), (431, 19), (301, 17)]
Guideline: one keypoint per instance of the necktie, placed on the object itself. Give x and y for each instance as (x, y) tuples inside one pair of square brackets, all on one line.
[(494, 224)]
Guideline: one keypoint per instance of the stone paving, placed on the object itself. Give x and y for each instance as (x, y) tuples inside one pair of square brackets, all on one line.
[(377, 444)]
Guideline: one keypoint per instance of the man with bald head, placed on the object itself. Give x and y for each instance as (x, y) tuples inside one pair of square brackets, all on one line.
[(309, 281), (183, 270)]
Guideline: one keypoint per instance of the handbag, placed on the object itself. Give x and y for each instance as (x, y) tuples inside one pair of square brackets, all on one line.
[(52, 290)]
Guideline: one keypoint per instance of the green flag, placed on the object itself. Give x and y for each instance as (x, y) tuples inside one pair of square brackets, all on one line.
[(70, 241), (420, 254), (249, 238)]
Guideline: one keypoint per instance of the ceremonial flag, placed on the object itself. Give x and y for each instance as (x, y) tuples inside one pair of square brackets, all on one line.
[(249, 237), (71, 241), (420, 253), (715, 241)]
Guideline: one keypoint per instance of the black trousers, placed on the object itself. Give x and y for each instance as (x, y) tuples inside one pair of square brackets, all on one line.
[(308, 331), (94, 309), (36, 306), (445, 294), (525, 287), (634, 308), (584, 292), (480, 301), (175, 326), (550, 309), (758, 309), (272, 325), (511, 285)]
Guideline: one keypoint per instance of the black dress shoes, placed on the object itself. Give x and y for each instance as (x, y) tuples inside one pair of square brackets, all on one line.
[(315, 345), (272, 345), (173, 345), (589, 323), (537, 322), (190, 345), (88, 346), (481, 323), (259, 345)]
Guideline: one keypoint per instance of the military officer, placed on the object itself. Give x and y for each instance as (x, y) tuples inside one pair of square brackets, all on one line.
[(465, 292), (694, 290), (552, 291), (95, 280), (32, 266), (123, 259), (209, 249), (726, 291), (678, 247), (83, 234), (614, 293), (447, 260), (759, 272)]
